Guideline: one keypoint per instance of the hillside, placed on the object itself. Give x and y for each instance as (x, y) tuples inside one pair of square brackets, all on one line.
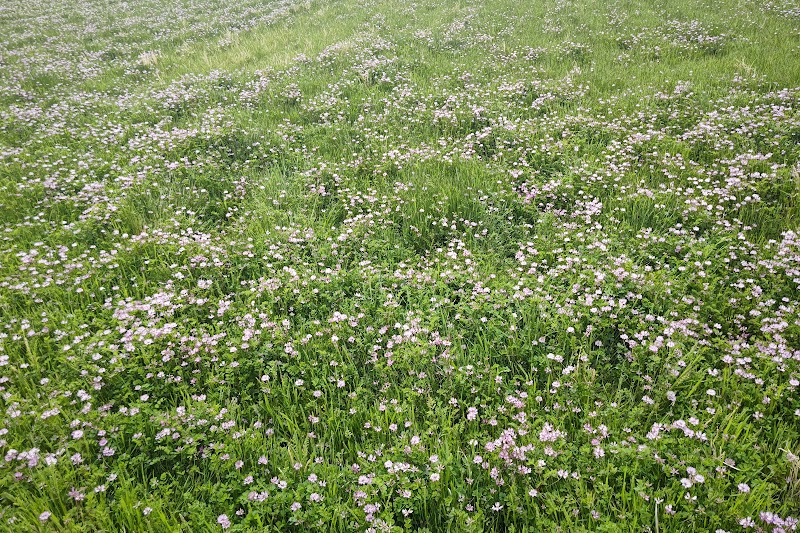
[(305, 265)]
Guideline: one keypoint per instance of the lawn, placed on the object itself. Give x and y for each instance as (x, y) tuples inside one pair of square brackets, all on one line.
[(383, 266)]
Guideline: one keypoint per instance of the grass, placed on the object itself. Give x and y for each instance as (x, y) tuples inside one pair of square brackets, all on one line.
[(390, 266)]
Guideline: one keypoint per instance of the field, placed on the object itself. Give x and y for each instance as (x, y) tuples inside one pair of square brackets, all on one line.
[(383, 266)]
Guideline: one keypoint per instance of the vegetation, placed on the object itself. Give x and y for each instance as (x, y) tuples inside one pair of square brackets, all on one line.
[(400, 266)]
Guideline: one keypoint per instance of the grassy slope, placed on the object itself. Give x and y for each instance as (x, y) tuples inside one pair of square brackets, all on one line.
[(478, 187)]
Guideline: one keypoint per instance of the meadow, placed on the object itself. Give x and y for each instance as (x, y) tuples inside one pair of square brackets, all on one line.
[(384, 266)]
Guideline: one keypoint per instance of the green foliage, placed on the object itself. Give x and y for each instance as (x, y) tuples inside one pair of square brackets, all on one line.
[(390, 266)]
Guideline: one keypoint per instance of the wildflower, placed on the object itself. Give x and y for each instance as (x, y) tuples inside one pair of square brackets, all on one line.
[(224, 521), (599, 452), (549, 433), (747, 522)]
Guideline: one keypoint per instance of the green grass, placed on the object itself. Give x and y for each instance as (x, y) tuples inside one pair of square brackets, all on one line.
[(391, 266)]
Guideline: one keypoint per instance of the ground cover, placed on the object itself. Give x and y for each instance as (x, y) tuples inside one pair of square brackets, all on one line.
[(400, 266)]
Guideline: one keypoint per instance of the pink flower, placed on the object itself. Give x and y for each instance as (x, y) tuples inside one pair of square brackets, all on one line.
[(549, 433), (224, 521)]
